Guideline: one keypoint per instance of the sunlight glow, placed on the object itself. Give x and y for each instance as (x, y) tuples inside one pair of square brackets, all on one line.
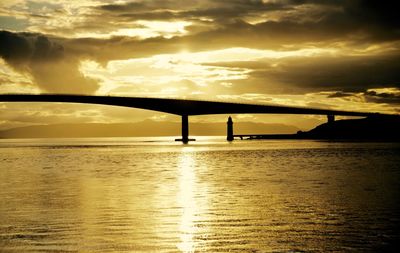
[(12, 81), (248, 54), (186, 199), (143, 30), (185, 72), (164, 27)]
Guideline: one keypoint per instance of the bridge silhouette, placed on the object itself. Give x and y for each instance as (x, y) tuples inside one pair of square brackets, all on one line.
[(181, 107)]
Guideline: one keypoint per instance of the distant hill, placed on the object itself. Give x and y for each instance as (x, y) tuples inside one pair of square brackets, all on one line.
[(144, 128), (370, 128)]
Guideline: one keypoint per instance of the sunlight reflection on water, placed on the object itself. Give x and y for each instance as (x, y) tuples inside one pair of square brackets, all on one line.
[(129, 195), (187, 181)]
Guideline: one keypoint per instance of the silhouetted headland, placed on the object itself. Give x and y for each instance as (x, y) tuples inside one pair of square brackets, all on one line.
[(377, 128)]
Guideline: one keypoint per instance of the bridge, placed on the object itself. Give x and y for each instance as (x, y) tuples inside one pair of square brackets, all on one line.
[(181, 107)]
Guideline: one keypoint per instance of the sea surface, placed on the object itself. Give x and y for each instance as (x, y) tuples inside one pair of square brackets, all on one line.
[(157, 195)]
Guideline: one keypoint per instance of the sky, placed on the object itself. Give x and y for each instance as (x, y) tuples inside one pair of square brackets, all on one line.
[(342, 54)]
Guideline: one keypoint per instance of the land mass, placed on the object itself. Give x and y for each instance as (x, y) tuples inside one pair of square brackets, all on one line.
[(385, 128), (373, 127), (139, 129)]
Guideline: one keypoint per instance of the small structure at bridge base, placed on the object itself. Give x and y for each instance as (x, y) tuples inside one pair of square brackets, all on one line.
[(185, 130), (229, 130), (331, 118)]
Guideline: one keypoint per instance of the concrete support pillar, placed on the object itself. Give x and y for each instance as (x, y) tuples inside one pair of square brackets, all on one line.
[(185, 129), (331, 118), (229, 129)]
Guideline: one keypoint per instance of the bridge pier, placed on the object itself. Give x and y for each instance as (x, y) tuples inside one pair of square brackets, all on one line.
[(331, 118), (185, 130)]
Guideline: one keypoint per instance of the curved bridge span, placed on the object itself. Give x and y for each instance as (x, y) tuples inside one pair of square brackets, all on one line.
[(180, 107)]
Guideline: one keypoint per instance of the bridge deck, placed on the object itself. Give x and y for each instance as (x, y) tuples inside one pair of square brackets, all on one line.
[(181, 107), (177, 106)]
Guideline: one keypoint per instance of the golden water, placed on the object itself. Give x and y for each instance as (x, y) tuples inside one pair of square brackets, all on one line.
[(154, 195)]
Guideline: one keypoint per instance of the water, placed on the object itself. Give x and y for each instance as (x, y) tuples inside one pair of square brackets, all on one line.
[(155, 195)]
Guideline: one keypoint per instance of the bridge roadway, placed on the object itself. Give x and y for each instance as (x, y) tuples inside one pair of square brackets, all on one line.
[(182, 107)]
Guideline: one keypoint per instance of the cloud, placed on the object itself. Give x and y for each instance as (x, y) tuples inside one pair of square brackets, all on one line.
[(351, 73), (90, 29), (296, 19), (347, 25), (340, 94), (384, 95), (217, 10), (303, 74), (292, 21), (46, 61), (389, 96)]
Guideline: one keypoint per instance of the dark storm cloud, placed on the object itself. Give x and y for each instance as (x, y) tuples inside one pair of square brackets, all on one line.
[(299, 23), (46, 61), (220, 12), (152, 15), (213, 14), (373, 20), (340, 94), (378, 19), (346, 73), (205, 15), (239, 34), (202, 8), (390, 96), (130, 6), (15, 49), (352, 22), (384, 97), (299, 75), (383, 13)]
